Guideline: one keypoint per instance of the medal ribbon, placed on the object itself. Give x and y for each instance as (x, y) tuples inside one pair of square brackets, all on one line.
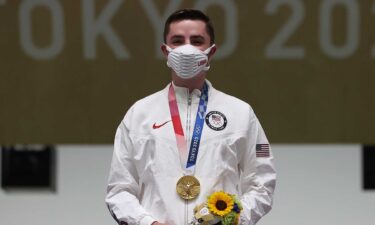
[(198, 127)]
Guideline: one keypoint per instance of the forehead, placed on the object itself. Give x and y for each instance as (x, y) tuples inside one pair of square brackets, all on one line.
[(188, 28)]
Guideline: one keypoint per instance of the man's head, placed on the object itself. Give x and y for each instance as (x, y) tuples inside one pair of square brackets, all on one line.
[(191, 30), (189, 14)]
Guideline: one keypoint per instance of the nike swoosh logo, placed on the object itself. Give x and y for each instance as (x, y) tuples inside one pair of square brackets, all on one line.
[(158, 126)]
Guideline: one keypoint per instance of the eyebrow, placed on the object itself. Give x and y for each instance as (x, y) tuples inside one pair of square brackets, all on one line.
[(195, 37), (177, 37)]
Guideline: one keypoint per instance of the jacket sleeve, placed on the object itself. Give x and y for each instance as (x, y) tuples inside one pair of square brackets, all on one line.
[(258, 176), (123, 184)]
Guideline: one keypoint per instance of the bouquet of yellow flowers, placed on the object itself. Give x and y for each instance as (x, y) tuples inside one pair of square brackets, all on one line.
[(220, 207)]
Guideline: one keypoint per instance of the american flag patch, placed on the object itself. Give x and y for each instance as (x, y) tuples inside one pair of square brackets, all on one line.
[(262, 150)]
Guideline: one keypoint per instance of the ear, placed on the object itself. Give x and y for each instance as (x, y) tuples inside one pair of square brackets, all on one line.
[(212, 52), (164, 50)]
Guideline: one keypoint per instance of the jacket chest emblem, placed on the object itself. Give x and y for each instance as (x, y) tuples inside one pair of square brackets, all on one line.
[(216, 120), (157, 126)]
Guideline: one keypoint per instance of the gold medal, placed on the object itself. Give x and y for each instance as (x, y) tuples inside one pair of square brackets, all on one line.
[(188, 187)]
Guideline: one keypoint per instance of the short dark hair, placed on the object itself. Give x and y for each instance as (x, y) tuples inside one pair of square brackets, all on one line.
[(189, 14)]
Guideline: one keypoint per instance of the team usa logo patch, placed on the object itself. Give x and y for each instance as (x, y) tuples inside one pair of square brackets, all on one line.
[(216, 120)]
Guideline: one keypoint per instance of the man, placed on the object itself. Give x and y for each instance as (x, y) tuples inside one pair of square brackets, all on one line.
[(177, 146)]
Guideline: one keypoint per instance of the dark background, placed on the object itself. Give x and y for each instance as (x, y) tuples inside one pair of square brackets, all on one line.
[(315, 86)]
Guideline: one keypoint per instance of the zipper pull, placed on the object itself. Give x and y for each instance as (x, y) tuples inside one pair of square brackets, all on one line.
[(189, 100)]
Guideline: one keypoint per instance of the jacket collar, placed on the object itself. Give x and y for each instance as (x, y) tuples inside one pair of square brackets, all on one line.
[(183, 94)]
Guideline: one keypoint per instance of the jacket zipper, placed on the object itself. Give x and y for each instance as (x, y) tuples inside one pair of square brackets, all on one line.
[(188, 120)]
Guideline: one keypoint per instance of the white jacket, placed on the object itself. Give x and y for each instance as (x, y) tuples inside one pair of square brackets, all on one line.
[(146, 165)]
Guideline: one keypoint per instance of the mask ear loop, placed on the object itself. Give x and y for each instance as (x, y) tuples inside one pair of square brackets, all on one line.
[(169, 49), (206, 52)]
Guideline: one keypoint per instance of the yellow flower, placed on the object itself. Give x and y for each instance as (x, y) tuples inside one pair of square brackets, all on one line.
[(220, 203)]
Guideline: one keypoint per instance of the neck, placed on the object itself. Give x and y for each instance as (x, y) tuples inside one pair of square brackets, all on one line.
[(196, 82)]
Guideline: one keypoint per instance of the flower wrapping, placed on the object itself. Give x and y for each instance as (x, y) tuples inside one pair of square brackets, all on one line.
[(219, 207)]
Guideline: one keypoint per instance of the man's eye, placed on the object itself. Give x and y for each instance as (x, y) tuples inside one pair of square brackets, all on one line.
[(196, 42), (176, 42)]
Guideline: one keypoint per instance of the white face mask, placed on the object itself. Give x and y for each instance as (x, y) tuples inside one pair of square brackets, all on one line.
[(188, 61)]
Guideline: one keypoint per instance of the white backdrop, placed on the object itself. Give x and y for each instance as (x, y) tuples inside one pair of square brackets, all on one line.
[(317, 185)]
